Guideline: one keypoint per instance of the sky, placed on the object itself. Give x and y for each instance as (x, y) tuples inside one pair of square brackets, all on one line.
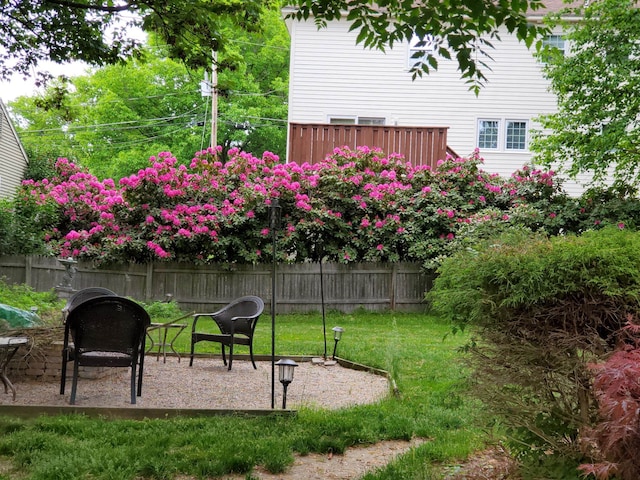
[(18, 86)]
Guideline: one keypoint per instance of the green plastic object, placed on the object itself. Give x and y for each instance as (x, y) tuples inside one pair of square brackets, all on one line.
[(17, 318)]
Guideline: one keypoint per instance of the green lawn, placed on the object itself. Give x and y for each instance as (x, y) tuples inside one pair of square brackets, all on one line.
[(433, 403)]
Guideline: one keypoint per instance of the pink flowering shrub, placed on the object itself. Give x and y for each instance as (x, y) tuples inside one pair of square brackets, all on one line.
[(356, 205)]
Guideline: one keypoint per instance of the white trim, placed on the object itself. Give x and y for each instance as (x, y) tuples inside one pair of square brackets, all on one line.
[(356, 119), (526, 135), (501, 142)]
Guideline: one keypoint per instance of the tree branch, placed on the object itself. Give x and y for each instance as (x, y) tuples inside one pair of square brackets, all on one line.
[(83, 6)]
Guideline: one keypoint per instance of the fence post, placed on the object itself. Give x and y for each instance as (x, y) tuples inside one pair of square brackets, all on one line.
[(392, 294), (28, 277), (148, 290)]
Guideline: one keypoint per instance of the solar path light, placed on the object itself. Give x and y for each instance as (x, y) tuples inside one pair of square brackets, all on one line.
[(337, 335), (286, 367)]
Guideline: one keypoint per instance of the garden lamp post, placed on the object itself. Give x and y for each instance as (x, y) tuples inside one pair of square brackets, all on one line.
[(337, 335), (285, 371), (274, 224)]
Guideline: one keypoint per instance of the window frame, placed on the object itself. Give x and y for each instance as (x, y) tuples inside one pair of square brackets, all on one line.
[(479, 130), (502, 133), (525, 148), (552, 41), (356, 119)]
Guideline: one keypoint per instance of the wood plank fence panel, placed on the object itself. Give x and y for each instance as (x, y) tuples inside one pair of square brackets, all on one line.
[(311, 143), (372, 286)]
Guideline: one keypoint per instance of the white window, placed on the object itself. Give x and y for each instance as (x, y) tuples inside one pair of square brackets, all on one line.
[(488, 134), (516, 135), (371, 121), (343, 120), (499, 134), (552, 45), (420, 48), (355, 120)]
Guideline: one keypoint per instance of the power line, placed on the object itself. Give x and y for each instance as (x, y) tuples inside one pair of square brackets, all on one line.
[(100, 125)]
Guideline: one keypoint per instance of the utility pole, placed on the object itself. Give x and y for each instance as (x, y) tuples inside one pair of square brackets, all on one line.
[(214, 101)]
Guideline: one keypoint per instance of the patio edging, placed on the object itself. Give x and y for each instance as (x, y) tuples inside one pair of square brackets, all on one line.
[(142, 413)]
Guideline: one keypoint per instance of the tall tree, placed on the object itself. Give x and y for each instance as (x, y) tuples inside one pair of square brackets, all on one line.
[(597, 127), (96, 31), (461, 28), (113, 119), (253, 101)]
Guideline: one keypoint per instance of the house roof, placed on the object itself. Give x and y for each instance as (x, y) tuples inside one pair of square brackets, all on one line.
[(552, 6)]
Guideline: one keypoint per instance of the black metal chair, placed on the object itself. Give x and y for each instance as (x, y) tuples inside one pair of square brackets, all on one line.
[(237, 322), (73, 301), (108, 331), (82, 295)]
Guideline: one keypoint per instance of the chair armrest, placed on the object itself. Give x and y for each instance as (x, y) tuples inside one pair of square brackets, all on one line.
[(196, 317), (250, 317)]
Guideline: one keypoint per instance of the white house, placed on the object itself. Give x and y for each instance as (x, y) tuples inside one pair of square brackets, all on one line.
[(13, 159), (333, 80)]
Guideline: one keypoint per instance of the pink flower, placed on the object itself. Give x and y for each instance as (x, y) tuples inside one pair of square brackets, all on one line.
[(505, 217), (72, 235), (264, 232), (620, 225), (552, 215), (379, 247)]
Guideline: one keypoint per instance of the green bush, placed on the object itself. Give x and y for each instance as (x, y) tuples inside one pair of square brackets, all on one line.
[(542, 309), (24, 297)]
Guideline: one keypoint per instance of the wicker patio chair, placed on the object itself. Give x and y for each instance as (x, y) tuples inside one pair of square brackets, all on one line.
[(108, 331), (236, 322), (73, 301), (82, 295)]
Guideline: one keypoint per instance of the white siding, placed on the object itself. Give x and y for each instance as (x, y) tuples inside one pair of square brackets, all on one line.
[(332, 76), (13, 160)]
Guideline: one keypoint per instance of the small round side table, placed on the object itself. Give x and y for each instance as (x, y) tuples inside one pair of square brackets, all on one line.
[(8, 348)]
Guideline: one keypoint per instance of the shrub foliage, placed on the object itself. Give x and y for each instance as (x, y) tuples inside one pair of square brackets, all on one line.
[(357, 205), (544, 309)]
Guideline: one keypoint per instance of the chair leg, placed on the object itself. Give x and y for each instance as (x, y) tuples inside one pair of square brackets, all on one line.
[(140, 372), (251, 355), (192, 349), (133, 382), (63, 375), (224, 357), (74, 383), (231, 352)]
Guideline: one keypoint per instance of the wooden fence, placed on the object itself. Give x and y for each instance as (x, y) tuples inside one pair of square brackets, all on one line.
[(372, 286), (311, 143)]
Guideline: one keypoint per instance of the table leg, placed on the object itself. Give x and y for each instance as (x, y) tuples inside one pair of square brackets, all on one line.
[(8, 384), (5, 358)]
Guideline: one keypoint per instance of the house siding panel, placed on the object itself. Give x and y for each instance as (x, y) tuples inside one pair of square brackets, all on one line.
[(332, 76), (12, 158)]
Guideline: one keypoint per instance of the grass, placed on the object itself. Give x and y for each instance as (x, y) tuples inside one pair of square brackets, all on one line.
[(433, 403)]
